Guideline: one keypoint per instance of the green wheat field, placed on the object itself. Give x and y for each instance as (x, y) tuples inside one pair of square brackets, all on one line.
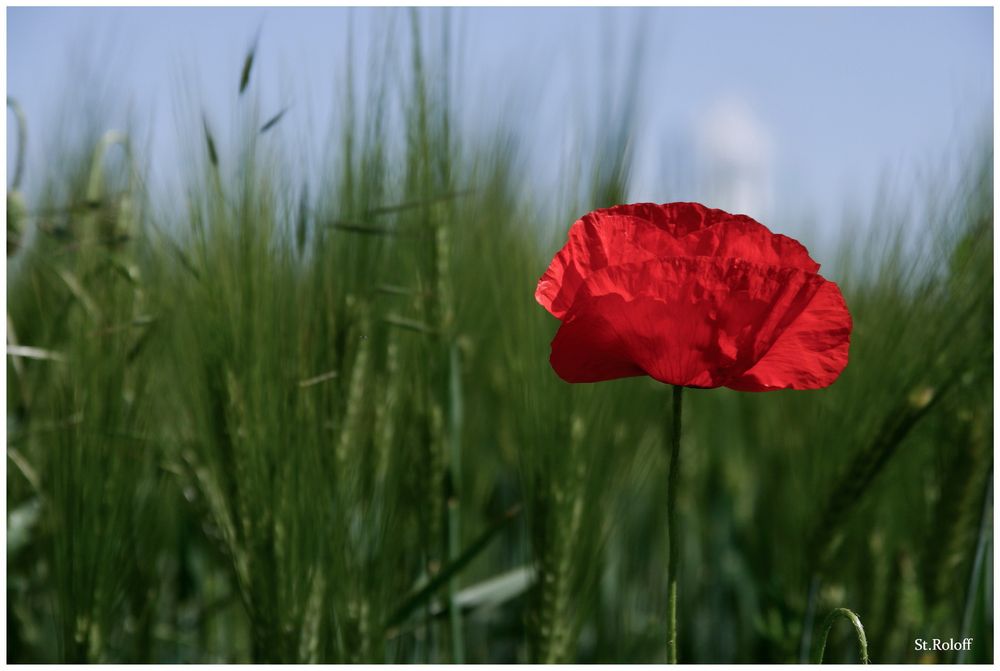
[(285, 419)]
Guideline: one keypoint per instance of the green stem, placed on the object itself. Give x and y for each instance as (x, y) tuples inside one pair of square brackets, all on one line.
[(977, 564), (22, 138), (805, 642), (672, 535), (454, 501), (859, 629)]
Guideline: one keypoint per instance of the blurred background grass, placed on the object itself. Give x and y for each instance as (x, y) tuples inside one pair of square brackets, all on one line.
[(309, 417)]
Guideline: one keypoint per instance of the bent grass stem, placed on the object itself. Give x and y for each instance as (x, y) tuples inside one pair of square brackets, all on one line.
[(859, 630)]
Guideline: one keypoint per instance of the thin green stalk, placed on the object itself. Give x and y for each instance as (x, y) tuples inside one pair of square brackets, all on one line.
[(807, 622), (859, 629), (454, 502), (22, 138), (672, 536), (977, 564)]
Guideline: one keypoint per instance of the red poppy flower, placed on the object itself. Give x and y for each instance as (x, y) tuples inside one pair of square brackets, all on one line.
[(692, 296)]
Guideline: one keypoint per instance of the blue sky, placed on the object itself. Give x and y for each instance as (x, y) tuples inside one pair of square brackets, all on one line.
[(818, 104)]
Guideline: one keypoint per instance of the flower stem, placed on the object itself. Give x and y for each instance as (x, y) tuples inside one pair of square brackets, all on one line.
[(672, 536)]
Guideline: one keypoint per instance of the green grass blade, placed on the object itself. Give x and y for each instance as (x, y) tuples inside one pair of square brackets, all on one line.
[(441, 578)]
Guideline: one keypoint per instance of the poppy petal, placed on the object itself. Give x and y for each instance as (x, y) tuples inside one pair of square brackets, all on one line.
[(810, 353), (598, 240), (695, 321), (645, 231), (744, 238)]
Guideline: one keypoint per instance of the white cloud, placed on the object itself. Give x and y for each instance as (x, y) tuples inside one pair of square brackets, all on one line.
[(735, 152)]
